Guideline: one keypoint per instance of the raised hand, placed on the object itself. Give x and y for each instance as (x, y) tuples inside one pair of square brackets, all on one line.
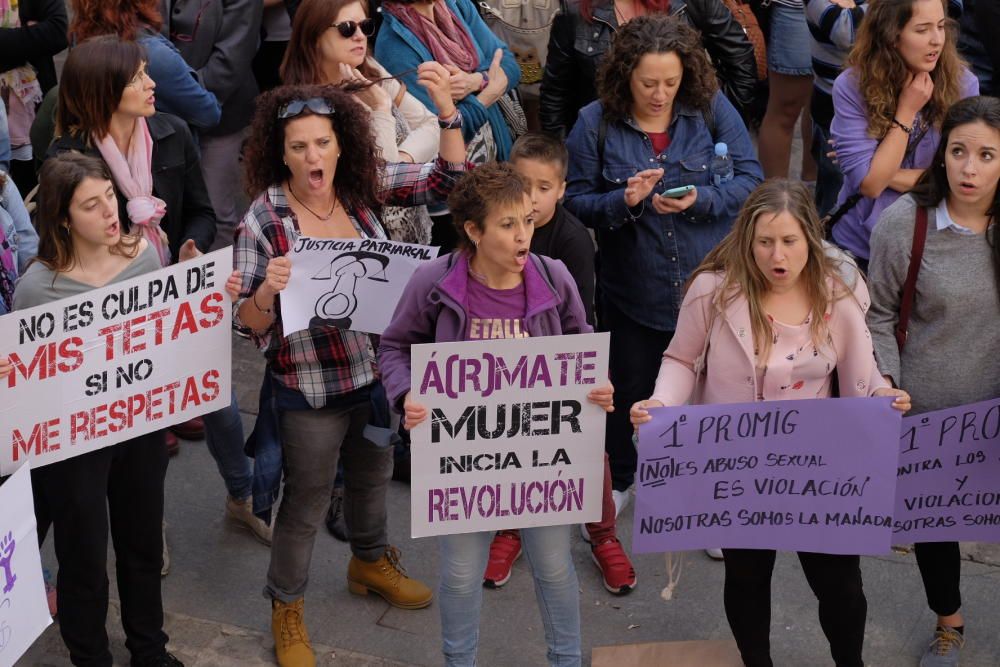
[(638, 187)]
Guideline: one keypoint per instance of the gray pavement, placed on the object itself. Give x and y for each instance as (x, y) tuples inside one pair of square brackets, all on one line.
[(217, 615)]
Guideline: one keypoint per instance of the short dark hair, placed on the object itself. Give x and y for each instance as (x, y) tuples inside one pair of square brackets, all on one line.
[(92, 83), (477, 193), (541, 147)]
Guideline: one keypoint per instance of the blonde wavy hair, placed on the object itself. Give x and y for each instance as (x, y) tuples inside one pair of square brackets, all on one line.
[(733, 258), (882, 72)]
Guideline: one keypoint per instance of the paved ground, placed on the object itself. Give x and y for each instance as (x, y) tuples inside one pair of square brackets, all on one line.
[(218, 617)]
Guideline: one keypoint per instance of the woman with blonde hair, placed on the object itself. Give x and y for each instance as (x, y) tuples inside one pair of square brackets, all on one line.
[(903, 73), (805, 311)]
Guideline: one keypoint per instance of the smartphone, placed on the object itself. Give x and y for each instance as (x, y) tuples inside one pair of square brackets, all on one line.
[(676, 193)]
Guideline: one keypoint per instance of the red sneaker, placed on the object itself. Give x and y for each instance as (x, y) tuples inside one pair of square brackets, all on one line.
[(615, 566), (505, 549), (192, 429), (173, 444)]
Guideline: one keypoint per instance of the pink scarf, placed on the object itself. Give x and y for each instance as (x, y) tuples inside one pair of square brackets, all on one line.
[(445, 37), (133, 175)]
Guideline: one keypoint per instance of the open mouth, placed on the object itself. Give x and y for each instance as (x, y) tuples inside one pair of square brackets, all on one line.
[(521, 257), (932, 56), (315, 177), (151, 101), (113, 229), (779, 272), (967, 187)]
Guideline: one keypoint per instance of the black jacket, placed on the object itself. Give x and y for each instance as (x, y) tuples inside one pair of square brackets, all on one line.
[(576, 48), (566, 239), (177, 180), (35, 44)]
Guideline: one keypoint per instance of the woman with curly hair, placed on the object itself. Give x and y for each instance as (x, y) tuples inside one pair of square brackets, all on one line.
[(772, 277), (317, 389), (903, 73), (652, 131), (581, 34), (329, 44)]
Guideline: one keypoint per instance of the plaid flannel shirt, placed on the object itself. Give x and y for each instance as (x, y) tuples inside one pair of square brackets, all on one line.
[(323, 362)]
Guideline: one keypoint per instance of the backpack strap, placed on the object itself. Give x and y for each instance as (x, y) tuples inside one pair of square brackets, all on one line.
[(910, 286)]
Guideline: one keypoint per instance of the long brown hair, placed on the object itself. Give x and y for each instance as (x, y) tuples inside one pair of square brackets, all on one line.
[(733, 258), (93, 81), (357, 179), (882, 72), (57, 183), (654, 34), (303, 62), (124, 18)]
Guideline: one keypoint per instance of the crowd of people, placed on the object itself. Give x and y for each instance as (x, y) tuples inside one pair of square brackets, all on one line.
[(619, 188)]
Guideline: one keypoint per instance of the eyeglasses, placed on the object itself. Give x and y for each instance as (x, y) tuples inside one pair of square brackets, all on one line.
[(315, 104), (348, 28), (140, 76)]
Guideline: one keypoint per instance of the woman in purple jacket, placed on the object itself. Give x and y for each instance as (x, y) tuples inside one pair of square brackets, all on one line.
[(455, 298), (904, 72)]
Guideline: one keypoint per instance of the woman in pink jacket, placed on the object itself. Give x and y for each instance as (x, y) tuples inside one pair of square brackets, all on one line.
[(771, 312)]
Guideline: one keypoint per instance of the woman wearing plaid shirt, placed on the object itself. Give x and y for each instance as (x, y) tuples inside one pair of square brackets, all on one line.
[(320, 379)]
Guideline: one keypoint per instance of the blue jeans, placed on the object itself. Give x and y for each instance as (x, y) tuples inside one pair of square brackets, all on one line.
[(224, 437), (460, 595)]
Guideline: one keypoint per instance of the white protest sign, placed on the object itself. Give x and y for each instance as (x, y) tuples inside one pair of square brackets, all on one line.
[(511, 440), (24, 609), (347, 283), (116, 362)]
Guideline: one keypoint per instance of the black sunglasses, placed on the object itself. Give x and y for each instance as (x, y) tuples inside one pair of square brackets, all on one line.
[(348, 28), (315, 104)]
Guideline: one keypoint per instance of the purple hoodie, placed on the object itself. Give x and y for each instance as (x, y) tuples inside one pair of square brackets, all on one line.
[(432, 310)]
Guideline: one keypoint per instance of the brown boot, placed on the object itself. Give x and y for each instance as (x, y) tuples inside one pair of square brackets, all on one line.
[(291, 641), (387, 578)]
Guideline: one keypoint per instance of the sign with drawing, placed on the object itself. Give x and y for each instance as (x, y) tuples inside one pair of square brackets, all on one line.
[(348, 283)]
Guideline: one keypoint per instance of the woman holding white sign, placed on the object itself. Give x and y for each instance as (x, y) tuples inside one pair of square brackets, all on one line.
[(494, 282), (946, 353), (320, 379), (769, 317), (82, 247)]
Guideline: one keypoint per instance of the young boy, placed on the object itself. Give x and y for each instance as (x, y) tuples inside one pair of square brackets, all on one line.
[(541, 162)]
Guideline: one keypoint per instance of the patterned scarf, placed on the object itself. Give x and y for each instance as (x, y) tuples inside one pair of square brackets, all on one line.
[(445, 37)]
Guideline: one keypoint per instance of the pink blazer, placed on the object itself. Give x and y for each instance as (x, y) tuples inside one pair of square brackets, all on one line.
[(731, 376)]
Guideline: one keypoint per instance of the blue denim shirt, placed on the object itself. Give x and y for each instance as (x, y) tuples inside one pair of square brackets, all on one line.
[(645, 257), (178, 89)]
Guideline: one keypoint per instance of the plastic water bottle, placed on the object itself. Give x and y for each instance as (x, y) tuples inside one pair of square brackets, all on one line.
[(722, 165)]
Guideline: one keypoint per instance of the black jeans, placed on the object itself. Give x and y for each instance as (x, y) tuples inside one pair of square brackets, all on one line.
[(78, 493), (836, 582), (940, 566), (636, 352)]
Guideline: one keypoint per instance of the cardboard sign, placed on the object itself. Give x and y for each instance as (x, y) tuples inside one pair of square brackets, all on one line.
[(947, 482), (348, 283), (805, 475), (511, 440), (24, 609), (116, 362)]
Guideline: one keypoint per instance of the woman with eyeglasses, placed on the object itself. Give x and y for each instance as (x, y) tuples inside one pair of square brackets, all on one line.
[(181, 92), (329, 44), (314, 170)]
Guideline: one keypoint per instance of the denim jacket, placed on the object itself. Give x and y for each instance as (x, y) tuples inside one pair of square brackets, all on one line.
[(645, 257), (179, 91)]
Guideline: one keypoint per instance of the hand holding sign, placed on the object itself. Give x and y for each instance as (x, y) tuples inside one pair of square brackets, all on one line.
[(5, 367), (639, 414), (413, 413), (902, 402)]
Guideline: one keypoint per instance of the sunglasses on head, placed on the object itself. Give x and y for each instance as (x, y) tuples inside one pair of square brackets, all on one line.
[(348, 28), (315, 104)]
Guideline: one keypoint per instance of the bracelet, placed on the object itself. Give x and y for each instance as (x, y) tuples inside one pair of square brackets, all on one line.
[(904, 128), (486, 81), (453, 122), (266, 311)]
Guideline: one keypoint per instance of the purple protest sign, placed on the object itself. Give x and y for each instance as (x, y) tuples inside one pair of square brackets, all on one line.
[(949, 464), (808, 475)]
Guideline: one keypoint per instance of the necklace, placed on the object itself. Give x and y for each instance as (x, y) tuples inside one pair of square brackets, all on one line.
[(324, 218)]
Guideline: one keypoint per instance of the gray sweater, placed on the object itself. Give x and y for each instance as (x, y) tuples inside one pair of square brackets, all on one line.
[(41, 285), (952, 352)]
